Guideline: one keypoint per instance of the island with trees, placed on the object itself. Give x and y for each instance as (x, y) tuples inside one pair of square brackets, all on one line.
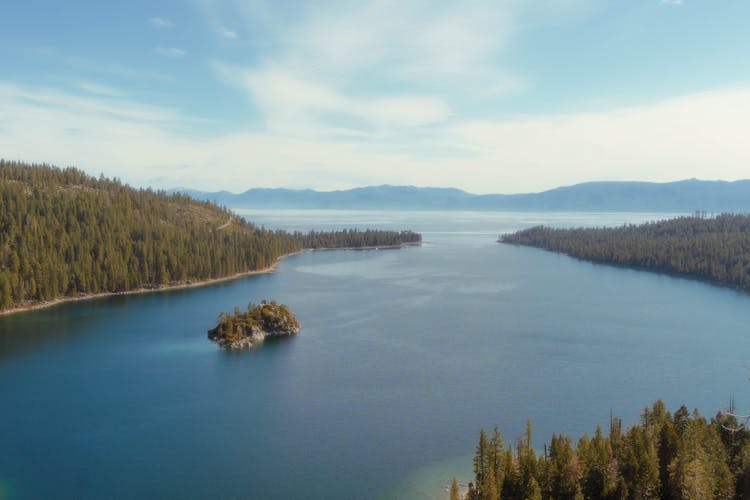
[(714, 249), (665, 456), (244, 329), (66, 235)]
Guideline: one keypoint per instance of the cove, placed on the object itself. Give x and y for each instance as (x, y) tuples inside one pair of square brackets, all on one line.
[(403, 356)]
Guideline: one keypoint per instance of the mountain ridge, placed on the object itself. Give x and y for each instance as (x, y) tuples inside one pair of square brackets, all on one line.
[(687, 195)]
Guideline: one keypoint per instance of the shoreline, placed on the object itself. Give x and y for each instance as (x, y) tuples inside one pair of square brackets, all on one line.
[(650, 270), (192, 284)]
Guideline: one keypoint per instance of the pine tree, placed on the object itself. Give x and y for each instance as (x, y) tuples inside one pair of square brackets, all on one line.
[(488, 487), (533, 491), (480, 462), (496, 458), (454, 495)]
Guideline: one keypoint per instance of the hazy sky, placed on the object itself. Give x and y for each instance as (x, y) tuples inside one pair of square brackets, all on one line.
[(497, 96)]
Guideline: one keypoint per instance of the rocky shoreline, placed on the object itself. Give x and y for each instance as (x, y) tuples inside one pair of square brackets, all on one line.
[(257, 336)]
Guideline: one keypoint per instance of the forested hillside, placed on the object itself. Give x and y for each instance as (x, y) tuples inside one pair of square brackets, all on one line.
[(714, 249), (664, 457), (66, 234)]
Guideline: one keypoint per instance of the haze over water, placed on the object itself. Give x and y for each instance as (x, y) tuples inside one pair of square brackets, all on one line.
[(404, 355)]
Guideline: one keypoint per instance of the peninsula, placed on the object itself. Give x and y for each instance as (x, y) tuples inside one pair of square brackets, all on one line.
[(243, 329), (69, 236), (713, 249)]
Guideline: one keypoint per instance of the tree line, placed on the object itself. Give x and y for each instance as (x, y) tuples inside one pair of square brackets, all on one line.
[(64, 233), (664, 456), (715, 249)]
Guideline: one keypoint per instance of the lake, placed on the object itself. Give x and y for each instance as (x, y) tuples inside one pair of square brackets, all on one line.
[(403, 356)]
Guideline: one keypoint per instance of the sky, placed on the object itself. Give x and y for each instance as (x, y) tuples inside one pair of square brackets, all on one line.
[(499, 96)]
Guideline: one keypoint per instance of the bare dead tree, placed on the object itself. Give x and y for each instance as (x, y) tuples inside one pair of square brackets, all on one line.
[(741, 420)]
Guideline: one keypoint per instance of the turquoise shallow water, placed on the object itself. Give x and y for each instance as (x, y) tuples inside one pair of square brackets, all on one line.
[(403, 356)]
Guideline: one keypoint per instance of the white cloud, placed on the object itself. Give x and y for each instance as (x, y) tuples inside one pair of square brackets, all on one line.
[(96, 88), (503, 84), (418, 41), (169, 51), (329, 71), (414, 42), (677, 138), (107, 68), (227, 33), (328, 115), (99, 105), (295, 106), (673, 2), (160, 22)]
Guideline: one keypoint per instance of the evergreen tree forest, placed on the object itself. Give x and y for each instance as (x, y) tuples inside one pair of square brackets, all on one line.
[(64, 234), (665, 456), (715, 249)]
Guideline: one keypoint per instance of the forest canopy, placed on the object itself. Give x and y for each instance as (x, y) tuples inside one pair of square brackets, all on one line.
[(665, 456), (64, 234), (715, 249)]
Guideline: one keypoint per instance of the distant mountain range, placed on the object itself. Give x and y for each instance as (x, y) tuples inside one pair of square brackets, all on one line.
[(682, 196)]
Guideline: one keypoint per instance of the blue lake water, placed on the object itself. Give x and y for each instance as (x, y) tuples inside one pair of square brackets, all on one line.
[(404, 355)]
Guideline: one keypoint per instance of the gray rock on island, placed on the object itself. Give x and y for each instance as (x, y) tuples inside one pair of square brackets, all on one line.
[(244, 329)]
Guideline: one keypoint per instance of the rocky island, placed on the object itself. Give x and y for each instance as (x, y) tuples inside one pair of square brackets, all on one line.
[(243, 329)]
